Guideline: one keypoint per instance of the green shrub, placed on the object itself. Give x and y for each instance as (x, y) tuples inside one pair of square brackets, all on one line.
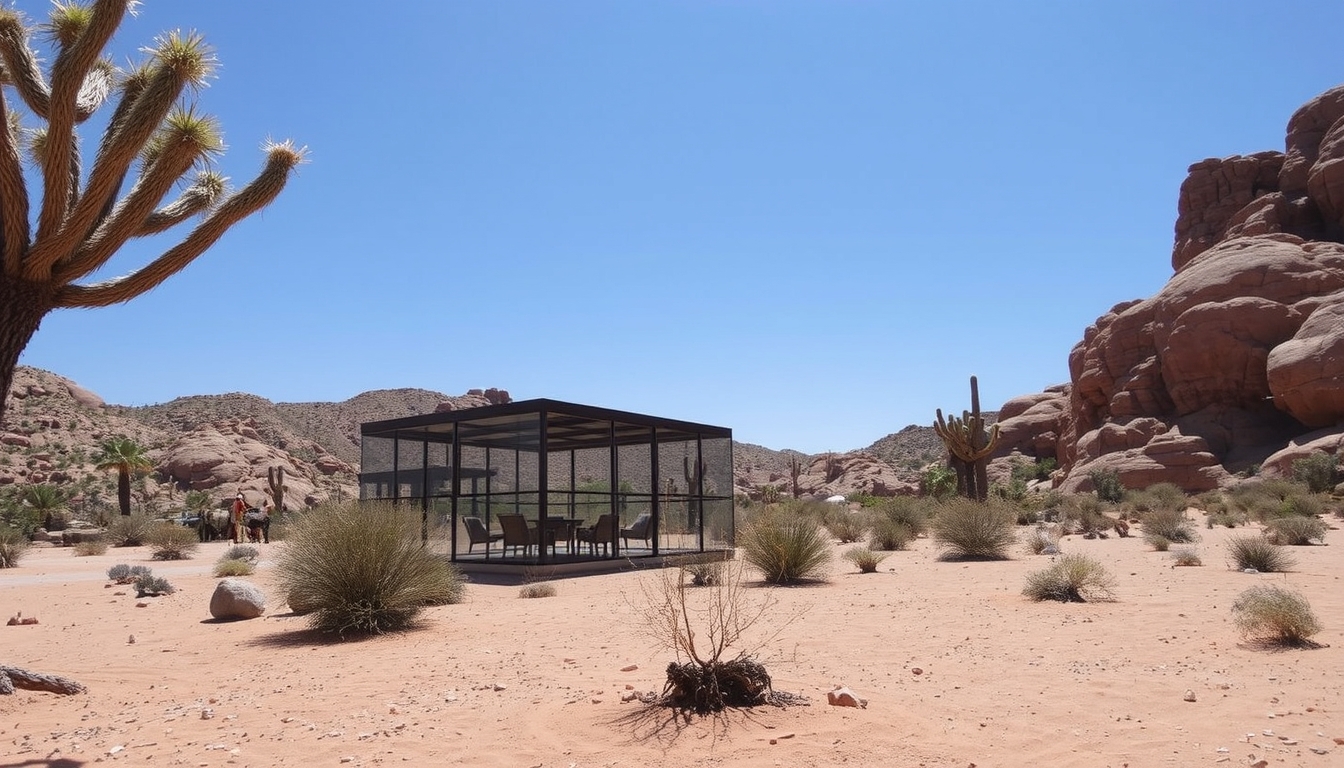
[(362, 568), (1226, 519), (1185, 556), (149, 585), (1319, 472), (13, 546), (847, 527), (537, 589), (1275, 615), (1258, 553), (1157, 541), (130, 530), (122, 573), (866, 559), (90, 547), (1071, 579), (241, 552), (907, 511), (1301, 505), (1106, 483), (1083, 514), (1298, 531), (1172, 525), (889, 535), (970, 530), (785, 547), (226, 567), (170, 541), (938, 481)]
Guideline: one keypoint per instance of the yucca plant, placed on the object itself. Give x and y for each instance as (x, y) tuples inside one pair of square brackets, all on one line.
[(889, 535), (1258, 553), (846, 526), (971, 530), (865, 559), (1072, 578), (1276, 615), (785, 547), (13, 546), (362, 568), (130, 530)]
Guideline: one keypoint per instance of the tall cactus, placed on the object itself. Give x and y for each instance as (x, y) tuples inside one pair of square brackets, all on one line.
[(275, 479), (795, 469), (694, 472), (969, 447)]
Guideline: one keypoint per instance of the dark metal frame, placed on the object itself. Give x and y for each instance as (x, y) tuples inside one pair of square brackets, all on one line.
[(539, 431)]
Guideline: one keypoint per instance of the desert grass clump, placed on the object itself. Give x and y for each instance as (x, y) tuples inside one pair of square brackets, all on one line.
[(13, 546), (241, 552), (149, 585), (362, 568), (1275, 615), (1186, 556), (1296, 530), (1085, 514), (785, 547), (704, 574), (90, 548), (1172, 525), (1157, 541), (1043, 540), (227, 567), (971, 530), (865, 559), (169, 541), (889, 535), (1258, 553), (904, 510), (847, 527), (130, 530), (122, 573), (1227, 518), (537, 589), (1071, 579)]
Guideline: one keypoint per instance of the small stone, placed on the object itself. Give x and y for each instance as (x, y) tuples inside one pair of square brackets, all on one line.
[(499, 686), (1224, 749), (916, 671), (595, 700), (629, 667), (116, 749), (1320, 750), (207, 714), (1189, 695), (131, 640), (843, 697)]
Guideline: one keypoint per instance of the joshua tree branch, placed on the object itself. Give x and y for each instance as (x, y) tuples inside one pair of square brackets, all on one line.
[(13, 198), (21, 63)]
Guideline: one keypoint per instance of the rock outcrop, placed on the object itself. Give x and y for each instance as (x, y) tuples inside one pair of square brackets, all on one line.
[(1240, 356)]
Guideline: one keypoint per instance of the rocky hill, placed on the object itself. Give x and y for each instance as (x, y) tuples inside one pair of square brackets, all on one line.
[(224, 444)]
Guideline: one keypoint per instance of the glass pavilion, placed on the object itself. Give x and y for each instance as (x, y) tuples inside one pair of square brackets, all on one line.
[(542, 482)]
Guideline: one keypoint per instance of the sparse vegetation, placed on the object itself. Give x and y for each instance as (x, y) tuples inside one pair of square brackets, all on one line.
[(1296, 530), (537, 589), (889, 535), (785, 547), (846, 527), (1043, 540), (970, 530), (130, 530), (229, 567), (865, 559), (1172, 525), (1259, 554), (1186, 556), (1157, 541), (1106, 484), (149, 585), (13, 546), (90, 548), (1071, 579), (1319, 472), (170, 541), (1276, 615), (241, 552), (362, 568), (704, 574)]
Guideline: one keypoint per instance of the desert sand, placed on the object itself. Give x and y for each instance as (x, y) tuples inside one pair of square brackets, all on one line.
[(958, 669)]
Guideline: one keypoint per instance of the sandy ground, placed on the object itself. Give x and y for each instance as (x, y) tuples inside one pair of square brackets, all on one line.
[(958, 669)]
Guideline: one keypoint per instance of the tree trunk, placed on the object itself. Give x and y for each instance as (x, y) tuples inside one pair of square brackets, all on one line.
[(13, 677), (22, 307), (124, 490)]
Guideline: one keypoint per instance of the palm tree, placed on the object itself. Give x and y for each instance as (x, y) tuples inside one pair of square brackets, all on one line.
[(150, 143), (125, 456), (48, 502)]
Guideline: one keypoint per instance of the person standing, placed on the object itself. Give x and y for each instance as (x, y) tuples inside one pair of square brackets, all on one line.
[(236, 519)]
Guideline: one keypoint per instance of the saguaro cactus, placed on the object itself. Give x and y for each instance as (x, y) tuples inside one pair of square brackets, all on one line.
[(795, 469), (968, 447), (275, 479)]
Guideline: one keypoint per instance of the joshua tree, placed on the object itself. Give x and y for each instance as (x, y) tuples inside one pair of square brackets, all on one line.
[(968, 447), (125, 456), (79, 218)]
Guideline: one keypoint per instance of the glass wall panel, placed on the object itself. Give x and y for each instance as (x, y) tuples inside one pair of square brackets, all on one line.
[(473, 463), (410, 468), (719, 532), (439, 470), (717, 454), (375, 466), (634, 467)]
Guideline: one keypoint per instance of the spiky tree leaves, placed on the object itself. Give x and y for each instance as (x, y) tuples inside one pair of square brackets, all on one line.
[(155, 141), (126, 457)]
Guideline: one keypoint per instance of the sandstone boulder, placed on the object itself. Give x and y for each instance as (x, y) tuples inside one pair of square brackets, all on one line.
[(236, 599)]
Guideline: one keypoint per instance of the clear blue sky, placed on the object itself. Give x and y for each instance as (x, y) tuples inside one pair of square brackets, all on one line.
[(808, 221)]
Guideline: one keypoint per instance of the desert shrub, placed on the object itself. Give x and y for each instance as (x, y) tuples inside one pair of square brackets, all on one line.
[(1014, 491), (865, 559), (1106, 484), (1186, 556), (1043, 540), (704, 574), (785, 547), (13, 546), (1300, 505), (1275, 614), (909, 511), (1157, 541), (1258, 553), (1170, 524), (889, 535), (938, 481), (169, 541), (362, 568), (149, 585), (130, 530), (1227, 519), (1026, 471), (241, 552), (122, 573), (226, 567), (90, 547), (847, 527), (1295, 530), (971, 530), (1084, 514), (1071, 579), (1319, 472), (537, 589)]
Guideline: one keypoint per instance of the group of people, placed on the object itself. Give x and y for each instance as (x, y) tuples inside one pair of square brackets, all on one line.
[(256, 521)]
